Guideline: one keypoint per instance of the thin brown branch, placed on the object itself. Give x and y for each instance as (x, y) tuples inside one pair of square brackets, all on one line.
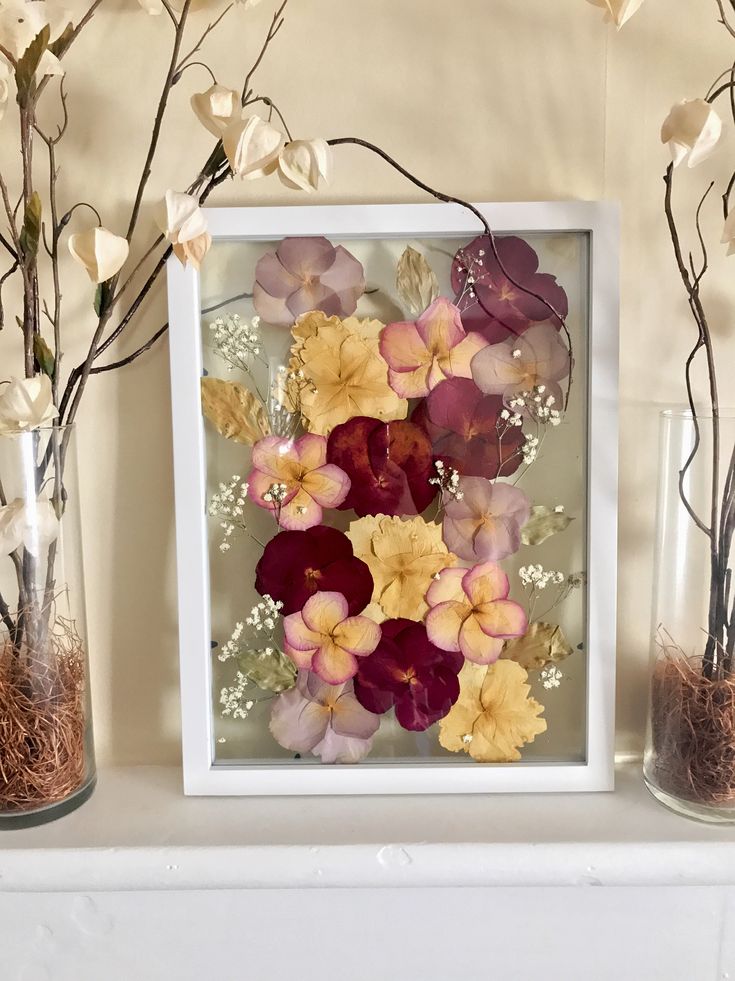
[(267, 101), (70, 40), (275, 26), (158, 121), (723, 19), (197, 47)]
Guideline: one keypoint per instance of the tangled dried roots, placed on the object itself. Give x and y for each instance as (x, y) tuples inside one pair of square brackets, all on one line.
[(43, 756), (693, 731)]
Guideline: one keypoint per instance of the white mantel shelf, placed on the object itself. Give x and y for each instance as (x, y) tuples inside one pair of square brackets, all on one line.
[(138, 832)]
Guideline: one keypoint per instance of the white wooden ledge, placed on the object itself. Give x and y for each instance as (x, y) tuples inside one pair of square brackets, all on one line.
[(139, 833)]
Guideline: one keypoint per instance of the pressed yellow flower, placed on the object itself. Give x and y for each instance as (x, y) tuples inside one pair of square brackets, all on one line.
[(494, 715), (345, 374), (403, 556)]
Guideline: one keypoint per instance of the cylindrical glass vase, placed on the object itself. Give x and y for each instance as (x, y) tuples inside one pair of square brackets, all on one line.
[(689, 762), (46, 748)]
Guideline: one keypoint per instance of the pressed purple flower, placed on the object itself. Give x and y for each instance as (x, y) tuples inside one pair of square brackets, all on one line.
[(485, 524), (465, 428), (493, 305), (305, 274), (326, 720)]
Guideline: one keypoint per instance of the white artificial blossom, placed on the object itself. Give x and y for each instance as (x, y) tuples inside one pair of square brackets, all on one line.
[(183, 223), (252, 146), (692, 130), (32, 524), (152, 7), (21, 21), (26, 404), (100, 252), (618, 11), (217, 108), (303, 163)]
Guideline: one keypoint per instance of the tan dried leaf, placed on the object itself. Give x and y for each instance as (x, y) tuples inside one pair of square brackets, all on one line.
[(415, 281), (234, 411), (543, 523), (542, 644)]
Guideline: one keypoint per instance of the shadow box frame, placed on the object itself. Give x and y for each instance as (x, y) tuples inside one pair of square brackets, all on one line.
[(599, 220)]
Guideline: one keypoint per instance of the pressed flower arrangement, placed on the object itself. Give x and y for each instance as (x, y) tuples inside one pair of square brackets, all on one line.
[(386, 416)]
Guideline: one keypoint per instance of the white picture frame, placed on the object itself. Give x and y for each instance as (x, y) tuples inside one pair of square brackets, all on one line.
[(596, 773)]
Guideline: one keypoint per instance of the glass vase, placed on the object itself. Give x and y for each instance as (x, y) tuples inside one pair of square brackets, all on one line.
[(46, 747), (689, 762)]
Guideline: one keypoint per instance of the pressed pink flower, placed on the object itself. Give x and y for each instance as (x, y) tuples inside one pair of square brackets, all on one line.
[(304, 274), (485, 524), (424, 353), (469, 611), (537, 359), (489, 302), (325, 639), (326, 720), (294, 481)]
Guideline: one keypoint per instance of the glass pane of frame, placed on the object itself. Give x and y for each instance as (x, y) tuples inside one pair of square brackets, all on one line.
[(397, 482)]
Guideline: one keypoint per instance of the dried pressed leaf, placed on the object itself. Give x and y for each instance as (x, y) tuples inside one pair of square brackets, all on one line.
[(542, 644), (234, 411), (270, 669), (543, 523), (415, 281)]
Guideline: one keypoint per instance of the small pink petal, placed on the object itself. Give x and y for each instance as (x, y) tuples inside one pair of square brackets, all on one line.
[(447, 588), (402, 347), (323, 611), (333, 664), (440, 325), (444, 623), (298, 635), (476, 645), (410, 384), (503, 618), (342, 749), (359, 635), (328, 485), (460, 357), (271, 453), (296, 722), (311, 451), (485, 583), (299, 513)]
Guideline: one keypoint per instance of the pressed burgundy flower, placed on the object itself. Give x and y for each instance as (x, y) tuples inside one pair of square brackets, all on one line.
[(304, 274), (409, 673), (389, 465), (297, 564), (493, 305), (465, 429)]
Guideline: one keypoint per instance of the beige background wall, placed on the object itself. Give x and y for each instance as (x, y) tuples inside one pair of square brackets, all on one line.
[(488, 99)]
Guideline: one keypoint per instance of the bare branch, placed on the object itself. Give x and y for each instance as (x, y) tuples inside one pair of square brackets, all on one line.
[(276, 25), (158, 121), (210, 27)]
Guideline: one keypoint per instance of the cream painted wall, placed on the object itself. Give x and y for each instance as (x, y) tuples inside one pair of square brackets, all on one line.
[(488, 99)]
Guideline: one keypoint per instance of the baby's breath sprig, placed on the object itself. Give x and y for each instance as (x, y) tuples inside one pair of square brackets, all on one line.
[(228, 504), (447, 480), (536, 580), (551, 677), (239, 344), (263, 621)]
